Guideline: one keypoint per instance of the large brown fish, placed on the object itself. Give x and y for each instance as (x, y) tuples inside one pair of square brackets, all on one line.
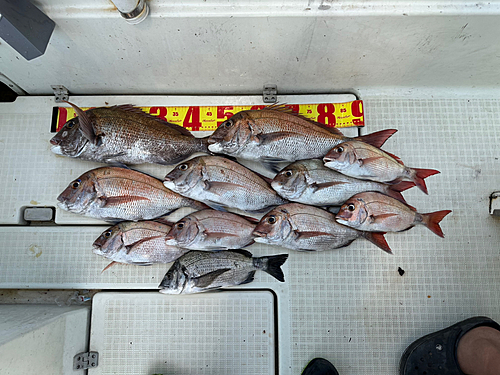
[(212, 230), (360, 160), (200, 271), (140, 243), (376, 212), (310, 182), (220, 182), (275, 134), (306, 228), (117, 194), (124, 134)]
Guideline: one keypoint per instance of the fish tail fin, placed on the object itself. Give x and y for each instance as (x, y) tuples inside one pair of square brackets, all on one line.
[(203, 145), (432, 220), (274, 264), (198, 205), (395, 190), (402, 186), (418, 175), (377, 139), (396, 195), (378, 239)]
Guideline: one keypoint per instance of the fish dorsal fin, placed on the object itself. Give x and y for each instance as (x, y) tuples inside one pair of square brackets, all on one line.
[(394, 157), (132, 109), (246, 253), (85, 123), (207, 279), (281, 107)]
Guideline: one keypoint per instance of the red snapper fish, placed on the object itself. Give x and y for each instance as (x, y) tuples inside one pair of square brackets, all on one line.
[(276, 134), (376, 212), (361, 160)]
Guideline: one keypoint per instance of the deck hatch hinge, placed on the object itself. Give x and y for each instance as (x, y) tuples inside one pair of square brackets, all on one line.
[(270, 94), (85, 360), (60, 92)]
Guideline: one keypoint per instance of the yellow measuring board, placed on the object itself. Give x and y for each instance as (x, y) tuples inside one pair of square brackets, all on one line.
[(208, 118)]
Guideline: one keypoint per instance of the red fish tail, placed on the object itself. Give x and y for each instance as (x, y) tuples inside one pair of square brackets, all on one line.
[(377, 139), (396, 195), (378, 239), (402, 186), (418, 176), (431, 221)]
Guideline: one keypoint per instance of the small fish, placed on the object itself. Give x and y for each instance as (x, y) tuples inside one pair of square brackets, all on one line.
[(124, 134), (306, 228), (141, 243), (220, 182), (310, 182), (212, 230), (118, 194), (377, 212), (200, 271), (276, 134), (360, 160)]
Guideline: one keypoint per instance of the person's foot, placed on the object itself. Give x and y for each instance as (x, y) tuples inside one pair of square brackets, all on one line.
[(320, 366), (438, 353), (478, 351)]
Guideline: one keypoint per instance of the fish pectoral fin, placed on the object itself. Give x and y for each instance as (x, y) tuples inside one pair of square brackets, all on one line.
[(249, 278), (272, 137), (315, 186), (205, 280), (109, 266), (375, 218), (303, 235), (141, 241), (114, 201), (220, 188), (369, 160), (215, 235), (395, 157), (215, 206)]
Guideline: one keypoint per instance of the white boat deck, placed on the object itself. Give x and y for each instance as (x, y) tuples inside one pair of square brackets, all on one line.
[(349, 305)]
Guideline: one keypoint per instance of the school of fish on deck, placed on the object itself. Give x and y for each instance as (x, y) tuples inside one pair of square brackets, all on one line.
[(317, 167)]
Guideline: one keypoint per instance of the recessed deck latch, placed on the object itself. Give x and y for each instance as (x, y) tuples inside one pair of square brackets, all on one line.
[(495, 203), (86, 360)]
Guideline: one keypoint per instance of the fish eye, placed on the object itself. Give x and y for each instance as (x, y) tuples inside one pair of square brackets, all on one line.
[(108, 233), (351, 207), (271, 219), (180, 225), (228, 123), (70, 124), (288, 173), (340, 149), (183, 167), (76, 184)]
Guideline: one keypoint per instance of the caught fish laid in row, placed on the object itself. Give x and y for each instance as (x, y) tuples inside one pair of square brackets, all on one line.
[(276, 134), (377, 212), (310, 182), (140, 243), (118, 194), (307, 228), (360, 160), (212, 230), (124, 134), (200, 271), (220, 182)]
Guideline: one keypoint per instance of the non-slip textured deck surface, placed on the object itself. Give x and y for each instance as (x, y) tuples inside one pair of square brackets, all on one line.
[(350, 305), (213, 333)]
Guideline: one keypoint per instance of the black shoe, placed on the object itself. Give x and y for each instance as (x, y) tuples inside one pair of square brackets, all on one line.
[(320, 366), (436, 353)]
